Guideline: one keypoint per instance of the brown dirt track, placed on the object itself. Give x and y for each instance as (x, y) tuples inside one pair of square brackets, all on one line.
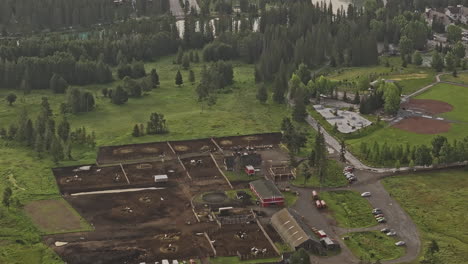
[(422, 125), (429, 106)]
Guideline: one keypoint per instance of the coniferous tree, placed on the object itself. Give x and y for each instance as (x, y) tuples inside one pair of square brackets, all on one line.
[(154, 78), (10, 98), (191, 76), (262, 93), (136, 131), (178, 79), (120, 96)]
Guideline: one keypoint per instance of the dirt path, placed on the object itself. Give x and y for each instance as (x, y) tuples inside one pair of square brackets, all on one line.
[(117, 191)]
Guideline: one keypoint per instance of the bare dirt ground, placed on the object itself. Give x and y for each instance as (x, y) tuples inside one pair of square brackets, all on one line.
[(228, 241), (421, 125), (432, 107), (193, 146), (53, 216), (134, 152), (257, 140)]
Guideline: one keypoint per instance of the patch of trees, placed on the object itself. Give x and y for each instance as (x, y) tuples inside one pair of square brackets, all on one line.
[(441, 151), (44, 135), (214, 78), (292, 137), (78, 101), (135, 70), (37, 15), (156, 124), (387, 95), (31, 73)]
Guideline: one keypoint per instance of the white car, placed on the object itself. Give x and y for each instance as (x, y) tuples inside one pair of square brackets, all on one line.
[(365, 194), (391, 233), (400, 243)]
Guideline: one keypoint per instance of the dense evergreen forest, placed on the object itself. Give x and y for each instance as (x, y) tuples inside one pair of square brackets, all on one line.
[(38, 15)]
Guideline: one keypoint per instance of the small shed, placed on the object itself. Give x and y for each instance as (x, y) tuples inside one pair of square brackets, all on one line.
[(329, 244), (160, 178)]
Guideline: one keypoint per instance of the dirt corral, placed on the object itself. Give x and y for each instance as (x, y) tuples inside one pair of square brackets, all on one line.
[(152, 248), (421, 125), (193, 146), (202, 167), (81, 179), (144, 172), (432, 107), (168, 207), (247, 240), (258, 141), (134, 152)]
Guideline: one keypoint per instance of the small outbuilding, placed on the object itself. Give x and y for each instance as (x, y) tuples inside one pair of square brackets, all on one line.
[(295, 232), (329, 244), (267, 193), (160, 178)]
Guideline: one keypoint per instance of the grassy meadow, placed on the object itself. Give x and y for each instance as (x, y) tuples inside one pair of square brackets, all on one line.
[(373, 245), (436, 202), (349, 209)]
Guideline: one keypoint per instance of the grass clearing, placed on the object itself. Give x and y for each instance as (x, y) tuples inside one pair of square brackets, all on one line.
[(290, 198), (349, 209), (373, 246), (232, 194), (437, 204), (56, 216), (455, 95), (461, 78), (334, 177)]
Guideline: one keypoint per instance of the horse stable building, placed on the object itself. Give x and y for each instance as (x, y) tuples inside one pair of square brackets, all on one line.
[(267, 192)]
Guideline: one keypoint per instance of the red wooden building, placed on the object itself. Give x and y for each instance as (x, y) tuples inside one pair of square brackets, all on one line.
[(267, 192)]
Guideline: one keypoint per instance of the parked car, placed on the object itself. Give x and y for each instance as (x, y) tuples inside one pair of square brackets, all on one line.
[(381, 220), (391, 233), (385, 230), (349, 168), (365, 194), (377, 211), (400, 243), (379, 215)]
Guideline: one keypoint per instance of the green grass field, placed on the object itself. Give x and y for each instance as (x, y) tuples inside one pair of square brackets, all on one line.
[(437, 204), (374, 246), (290, 198), (349, 209), (334, 177), (461, 78), (457, 96)]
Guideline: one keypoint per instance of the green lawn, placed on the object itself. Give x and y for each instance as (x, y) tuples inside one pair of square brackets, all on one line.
[(234, 176), (461, 78), (373, 246), (437, 204), (290, 198), (232, 194), (457, 96), (333, 178), (349, 209)]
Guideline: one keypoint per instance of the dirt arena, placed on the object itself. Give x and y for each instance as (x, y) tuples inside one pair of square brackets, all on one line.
[(432, 107), (421, 125)]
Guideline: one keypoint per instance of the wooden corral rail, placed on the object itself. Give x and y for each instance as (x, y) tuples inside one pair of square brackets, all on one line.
[(170, 146), (216, 144), (219, 169), (125, 174), (266, 234), (183, 166), (211, 244)]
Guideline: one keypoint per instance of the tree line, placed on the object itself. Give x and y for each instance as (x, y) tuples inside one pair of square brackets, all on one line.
[(440, 151), (38, 15)]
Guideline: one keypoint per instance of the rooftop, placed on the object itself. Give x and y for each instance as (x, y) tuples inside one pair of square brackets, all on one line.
[(291, 228), (266, 188)]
